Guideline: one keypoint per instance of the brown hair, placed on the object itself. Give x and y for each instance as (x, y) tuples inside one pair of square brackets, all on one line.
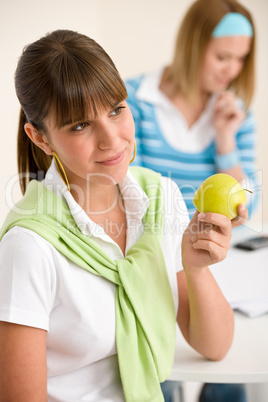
[(192, 40), (67, 75)]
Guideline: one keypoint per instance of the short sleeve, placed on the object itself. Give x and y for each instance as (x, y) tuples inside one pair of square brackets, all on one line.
[(27, 279), (176, 220)]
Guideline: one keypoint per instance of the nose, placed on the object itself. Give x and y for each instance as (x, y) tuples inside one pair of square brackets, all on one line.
[(107, 136), (233, 69)]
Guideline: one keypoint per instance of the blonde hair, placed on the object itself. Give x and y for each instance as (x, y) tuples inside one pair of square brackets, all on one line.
[(65, 75), (193, 37)]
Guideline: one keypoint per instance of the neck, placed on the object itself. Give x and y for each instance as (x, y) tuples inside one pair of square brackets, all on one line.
[(97, 198), (168, 87), (191, 110)]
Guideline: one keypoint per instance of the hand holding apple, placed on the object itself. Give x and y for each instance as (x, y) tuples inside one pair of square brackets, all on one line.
[(206, 240)]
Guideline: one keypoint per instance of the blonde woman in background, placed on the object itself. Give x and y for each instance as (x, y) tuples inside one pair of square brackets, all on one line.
[(193, 117)]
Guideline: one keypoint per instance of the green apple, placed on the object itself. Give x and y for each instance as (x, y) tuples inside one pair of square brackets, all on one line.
[(220, 193)]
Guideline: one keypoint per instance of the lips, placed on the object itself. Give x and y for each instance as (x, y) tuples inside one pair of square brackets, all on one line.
[(223, 81), (113, 160)]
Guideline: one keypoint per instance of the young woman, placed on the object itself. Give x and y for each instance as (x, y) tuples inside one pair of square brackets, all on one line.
[(192, 117), (91, 271)]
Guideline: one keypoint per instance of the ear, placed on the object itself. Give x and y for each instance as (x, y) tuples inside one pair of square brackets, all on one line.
[(38, 139)]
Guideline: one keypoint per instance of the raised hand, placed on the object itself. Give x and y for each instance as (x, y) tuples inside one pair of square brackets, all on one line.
[(206, 240), (227, 118)]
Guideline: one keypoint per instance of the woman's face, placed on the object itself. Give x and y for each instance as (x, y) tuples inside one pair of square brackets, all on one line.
[(223, 61), (97, 150)]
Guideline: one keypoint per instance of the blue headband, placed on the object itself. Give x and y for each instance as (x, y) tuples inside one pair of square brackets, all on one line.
[(233, 24)]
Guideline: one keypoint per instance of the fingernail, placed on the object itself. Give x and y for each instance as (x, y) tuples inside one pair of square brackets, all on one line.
[(201, 217), (242, 208)]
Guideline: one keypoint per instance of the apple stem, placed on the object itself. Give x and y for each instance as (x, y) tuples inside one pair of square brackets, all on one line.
[(248, 190)]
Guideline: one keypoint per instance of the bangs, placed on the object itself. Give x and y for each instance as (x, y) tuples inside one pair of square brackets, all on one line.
[(82, 87)]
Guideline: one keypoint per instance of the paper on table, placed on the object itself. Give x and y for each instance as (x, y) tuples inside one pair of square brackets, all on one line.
[(243, 279), (253, 308)]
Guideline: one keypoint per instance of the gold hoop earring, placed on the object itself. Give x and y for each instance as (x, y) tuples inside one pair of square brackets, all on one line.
[(61, 170), (135, 150)]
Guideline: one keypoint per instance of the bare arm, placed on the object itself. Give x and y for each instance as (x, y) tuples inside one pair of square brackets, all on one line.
[(204, 316), (23, 368)]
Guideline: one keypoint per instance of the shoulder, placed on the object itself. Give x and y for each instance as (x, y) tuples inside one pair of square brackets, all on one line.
[(28, 278), (247, 131), (176, 220), (134, 83), (19, 236), (172, 194), (25, 247), (139, 171), (249, 120), (173, 198), (144, 176), (175, 207)]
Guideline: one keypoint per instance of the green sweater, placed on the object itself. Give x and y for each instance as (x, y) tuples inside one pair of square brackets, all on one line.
[(145, 313)]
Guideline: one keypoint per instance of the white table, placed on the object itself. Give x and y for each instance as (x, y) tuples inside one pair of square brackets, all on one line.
[(247, 360)]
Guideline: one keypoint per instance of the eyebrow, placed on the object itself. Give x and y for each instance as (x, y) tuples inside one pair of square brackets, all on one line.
[(88, 118), (227, 52)]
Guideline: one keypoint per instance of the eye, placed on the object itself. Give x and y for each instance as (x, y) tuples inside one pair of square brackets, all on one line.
[(221, 58), (80, 126), (117, 111), (243, 59)]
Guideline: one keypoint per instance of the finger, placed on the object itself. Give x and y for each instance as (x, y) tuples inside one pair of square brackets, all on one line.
[(225, 98), (226, 95), (196, 226), (242, 216), (227, 110), (193, 226), (194, 218), (213, 236), (216, 252), (221, 221)]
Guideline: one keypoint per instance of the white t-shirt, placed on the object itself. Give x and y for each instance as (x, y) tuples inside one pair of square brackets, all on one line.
[(40, 287)]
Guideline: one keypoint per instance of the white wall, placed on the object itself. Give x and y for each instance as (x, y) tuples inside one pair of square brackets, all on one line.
[(139, 36)]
